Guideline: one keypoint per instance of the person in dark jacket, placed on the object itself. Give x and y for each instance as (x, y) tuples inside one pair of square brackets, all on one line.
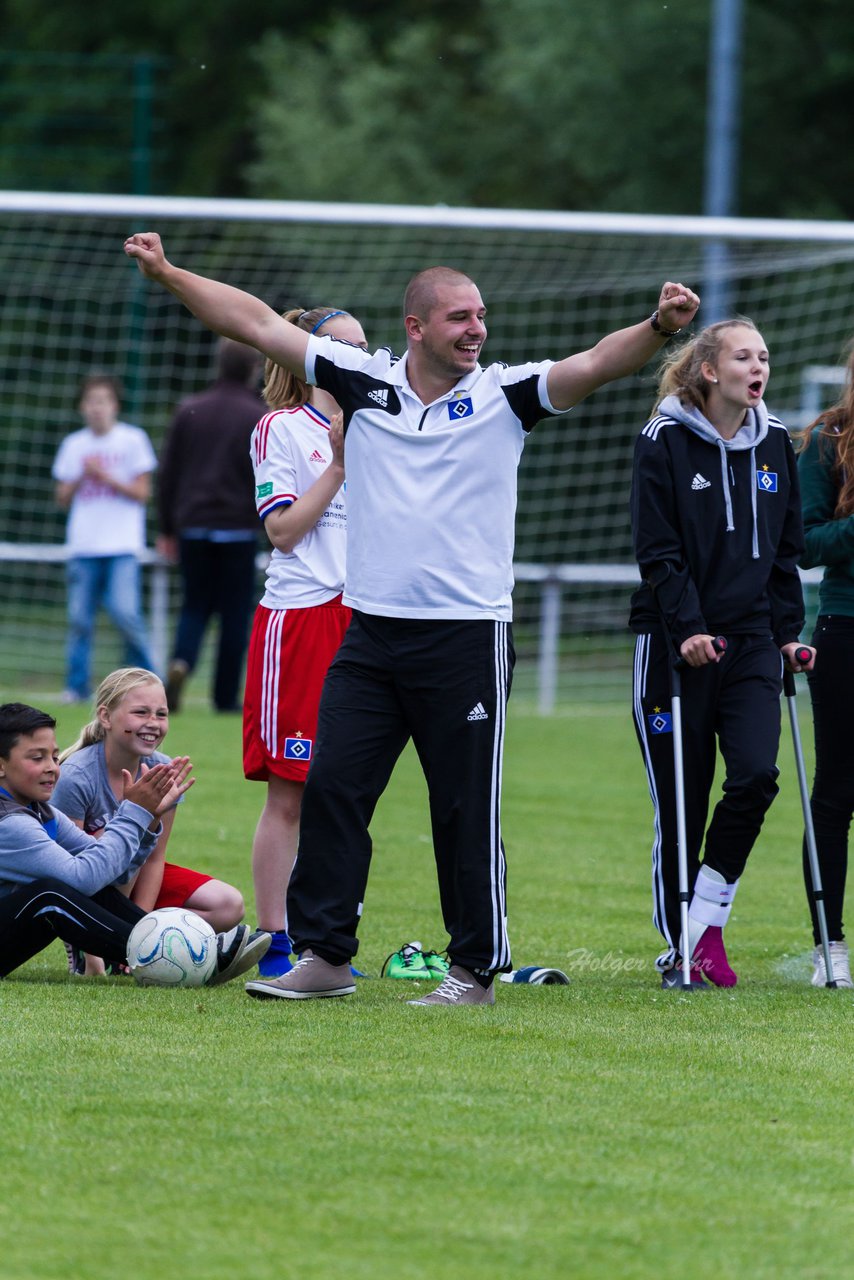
[(208, 523), (717, 530), (826, 469)]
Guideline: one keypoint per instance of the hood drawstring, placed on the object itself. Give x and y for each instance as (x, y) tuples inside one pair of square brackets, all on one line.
[(730, 525), (754, 487)]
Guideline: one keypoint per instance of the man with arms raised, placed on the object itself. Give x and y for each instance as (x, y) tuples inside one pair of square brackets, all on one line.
[(433, 442)]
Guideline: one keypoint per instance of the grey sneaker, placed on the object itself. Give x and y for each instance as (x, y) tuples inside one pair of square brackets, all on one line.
[(458, 987), (237, 951), (312, 978), (839, 964)]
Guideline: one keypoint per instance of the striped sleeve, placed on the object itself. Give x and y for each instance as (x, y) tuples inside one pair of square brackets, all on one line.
[(272, 462)]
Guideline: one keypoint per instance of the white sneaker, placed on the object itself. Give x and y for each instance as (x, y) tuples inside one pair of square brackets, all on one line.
[(840, 968)]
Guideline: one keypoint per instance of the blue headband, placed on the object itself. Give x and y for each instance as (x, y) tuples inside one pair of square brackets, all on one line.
[(331, 316)]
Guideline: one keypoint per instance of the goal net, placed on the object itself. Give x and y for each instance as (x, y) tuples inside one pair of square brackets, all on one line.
[(553, 284)]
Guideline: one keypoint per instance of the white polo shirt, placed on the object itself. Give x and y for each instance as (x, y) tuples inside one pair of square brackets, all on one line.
[(290, 451), (431, 489)]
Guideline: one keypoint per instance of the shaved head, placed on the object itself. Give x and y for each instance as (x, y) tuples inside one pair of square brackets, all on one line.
[(423, 290)]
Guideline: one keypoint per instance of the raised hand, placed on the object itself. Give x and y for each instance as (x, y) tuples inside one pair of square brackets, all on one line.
[(147, 248), (677, 305), (336, 438)]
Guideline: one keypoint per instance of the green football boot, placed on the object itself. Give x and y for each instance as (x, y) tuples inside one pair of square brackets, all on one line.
[(408, 962), (436, 963)]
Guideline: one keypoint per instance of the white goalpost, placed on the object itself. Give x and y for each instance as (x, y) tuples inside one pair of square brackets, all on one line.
[(553, 283)]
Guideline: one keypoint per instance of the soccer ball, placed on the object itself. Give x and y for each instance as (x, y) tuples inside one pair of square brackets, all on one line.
[(171, 947)]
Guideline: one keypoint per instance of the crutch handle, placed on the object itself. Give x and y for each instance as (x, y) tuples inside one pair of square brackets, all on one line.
[(719, 645), (802, 657)]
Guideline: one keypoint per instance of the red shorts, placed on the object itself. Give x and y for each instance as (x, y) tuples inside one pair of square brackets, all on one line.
[(179, 884), (289, 655)]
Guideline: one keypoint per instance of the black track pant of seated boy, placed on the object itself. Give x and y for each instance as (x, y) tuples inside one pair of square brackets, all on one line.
[(32, 915)]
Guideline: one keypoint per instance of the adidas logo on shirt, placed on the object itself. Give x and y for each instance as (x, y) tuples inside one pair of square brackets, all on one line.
[(380, 397), (317, 457), (700, 482), (477, 713)]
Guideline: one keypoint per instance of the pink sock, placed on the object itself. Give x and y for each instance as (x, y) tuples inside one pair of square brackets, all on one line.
[(710, 957)]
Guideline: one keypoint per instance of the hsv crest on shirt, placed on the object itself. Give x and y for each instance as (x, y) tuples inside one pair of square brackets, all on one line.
[(460, 408)]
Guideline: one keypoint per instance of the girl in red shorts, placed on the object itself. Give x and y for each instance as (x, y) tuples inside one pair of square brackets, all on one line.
[(298, 456), (131, 720)]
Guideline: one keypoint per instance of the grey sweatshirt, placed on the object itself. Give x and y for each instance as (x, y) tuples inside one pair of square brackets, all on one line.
[(38, 841)]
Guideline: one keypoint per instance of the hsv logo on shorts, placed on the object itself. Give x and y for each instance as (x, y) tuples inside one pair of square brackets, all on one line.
[(297, 748)]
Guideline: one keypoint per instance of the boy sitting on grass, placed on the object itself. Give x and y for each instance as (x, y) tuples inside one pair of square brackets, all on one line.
[(58, 882)]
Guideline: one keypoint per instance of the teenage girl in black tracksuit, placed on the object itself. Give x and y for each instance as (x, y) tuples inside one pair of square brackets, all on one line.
[(717, 530)]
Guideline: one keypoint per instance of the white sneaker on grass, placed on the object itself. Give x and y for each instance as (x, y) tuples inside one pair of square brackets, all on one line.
[(839, 964)]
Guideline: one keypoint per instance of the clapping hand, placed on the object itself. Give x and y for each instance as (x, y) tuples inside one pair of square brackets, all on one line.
[(160, 787)]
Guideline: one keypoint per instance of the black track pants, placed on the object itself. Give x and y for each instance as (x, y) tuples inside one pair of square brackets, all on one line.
[(36, 913), (832, 693), (736, 701), (445, 685)]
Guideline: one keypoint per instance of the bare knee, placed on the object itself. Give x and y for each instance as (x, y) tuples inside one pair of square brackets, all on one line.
[(219, 903), (284, 801)]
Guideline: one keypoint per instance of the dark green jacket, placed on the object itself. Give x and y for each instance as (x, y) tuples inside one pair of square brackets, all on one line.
[(829, 541)]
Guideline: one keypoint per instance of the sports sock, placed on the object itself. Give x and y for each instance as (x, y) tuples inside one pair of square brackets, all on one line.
[(710, 904), (277, 961), (281, 941)]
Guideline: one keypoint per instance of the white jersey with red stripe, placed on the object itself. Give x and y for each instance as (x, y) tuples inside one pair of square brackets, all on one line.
[(290, 451)]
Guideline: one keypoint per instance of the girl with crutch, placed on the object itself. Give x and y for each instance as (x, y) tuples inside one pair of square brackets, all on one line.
[(717, 531), (826, 468)]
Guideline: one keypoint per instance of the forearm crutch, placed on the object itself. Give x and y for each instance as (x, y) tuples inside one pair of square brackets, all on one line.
[(803, 656)]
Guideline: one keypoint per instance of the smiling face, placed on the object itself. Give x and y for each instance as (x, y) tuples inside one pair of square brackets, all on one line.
[(140, 721), (739, 374), (31, 769), (448, 341)]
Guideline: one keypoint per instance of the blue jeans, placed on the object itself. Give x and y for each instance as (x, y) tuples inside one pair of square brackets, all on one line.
[(111, 582)]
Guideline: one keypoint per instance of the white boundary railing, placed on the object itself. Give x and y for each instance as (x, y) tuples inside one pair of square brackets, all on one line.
[(552, 579)]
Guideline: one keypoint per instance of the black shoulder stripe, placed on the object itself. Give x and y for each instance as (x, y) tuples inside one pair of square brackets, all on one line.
[(523, 398)]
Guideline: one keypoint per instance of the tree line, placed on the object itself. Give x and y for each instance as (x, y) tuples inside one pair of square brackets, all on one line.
[(592, 104)]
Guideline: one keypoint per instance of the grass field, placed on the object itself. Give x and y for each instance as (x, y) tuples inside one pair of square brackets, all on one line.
[(605, 1129)]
